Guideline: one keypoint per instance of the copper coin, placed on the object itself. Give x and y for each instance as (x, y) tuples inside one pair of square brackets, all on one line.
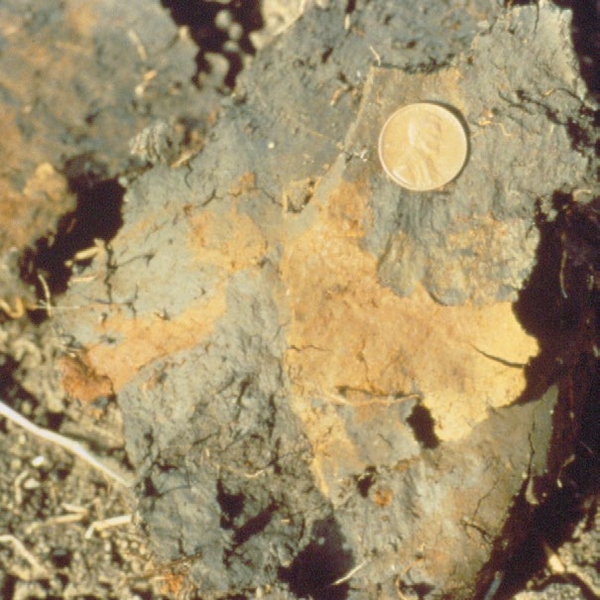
[(423, 146)]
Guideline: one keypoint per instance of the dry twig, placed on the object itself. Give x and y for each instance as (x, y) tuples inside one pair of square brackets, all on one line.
[(19, 548), (64, 442), (98, 526)]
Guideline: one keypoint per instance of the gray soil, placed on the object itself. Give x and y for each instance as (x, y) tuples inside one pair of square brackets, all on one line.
[(167, 348)]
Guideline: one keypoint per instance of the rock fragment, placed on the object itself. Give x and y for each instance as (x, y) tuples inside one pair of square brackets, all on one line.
[(329, 391)]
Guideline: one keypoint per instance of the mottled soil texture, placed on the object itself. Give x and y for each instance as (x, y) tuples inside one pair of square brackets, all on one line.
[(299, 379)]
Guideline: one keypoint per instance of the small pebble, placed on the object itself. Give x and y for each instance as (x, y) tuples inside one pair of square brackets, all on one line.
[(231, 46), (235, 31), (31, 484), (38, 461), (223, 20)]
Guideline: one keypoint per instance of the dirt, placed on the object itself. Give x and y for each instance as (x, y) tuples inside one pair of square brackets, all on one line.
[(323, 386)]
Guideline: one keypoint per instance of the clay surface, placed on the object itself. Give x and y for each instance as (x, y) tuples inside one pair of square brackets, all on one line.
[(312, 393), (325, 386)]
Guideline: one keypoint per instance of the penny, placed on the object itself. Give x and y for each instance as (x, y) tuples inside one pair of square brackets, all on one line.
[(423, 146)]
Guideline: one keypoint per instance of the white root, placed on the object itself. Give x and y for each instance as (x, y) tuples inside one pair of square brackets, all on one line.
[(66, 443)]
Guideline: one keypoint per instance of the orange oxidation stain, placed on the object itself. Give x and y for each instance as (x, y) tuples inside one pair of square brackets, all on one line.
[(173, 583), (144, 339), (224, 244), (383, 497), (83, 18), (244, 185), (348, 331), (81, 381), (230, 241)]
